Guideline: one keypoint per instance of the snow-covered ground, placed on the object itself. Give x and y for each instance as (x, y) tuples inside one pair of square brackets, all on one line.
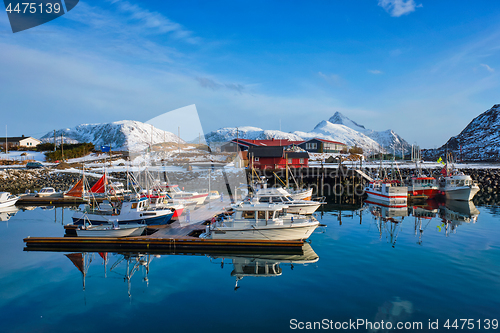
[(17, 155)]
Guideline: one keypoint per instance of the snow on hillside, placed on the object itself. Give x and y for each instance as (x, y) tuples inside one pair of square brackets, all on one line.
[(247, 132), (479, 141), (335, 132), (388, 139), (128, 135)]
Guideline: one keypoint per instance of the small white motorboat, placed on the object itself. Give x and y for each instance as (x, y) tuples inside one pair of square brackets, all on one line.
[(111, 230), (49, 192), (7, 199), (262, 221)]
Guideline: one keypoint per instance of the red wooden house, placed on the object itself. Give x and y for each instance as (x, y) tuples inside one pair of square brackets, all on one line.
[(276, 157)]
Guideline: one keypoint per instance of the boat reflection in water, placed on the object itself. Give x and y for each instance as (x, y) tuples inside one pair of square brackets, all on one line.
[(251, 264), (453, 213), (423, 216), (128, 263), (265, 265), (388, 218), (7, 212)]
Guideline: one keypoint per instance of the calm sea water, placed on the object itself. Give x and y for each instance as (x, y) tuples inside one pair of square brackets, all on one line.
[(369, 264)]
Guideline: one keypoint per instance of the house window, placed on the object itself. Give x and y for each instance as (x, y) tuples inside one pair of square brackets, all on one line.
[(256, 159), (301, 161), (311, 145), (290, 161)]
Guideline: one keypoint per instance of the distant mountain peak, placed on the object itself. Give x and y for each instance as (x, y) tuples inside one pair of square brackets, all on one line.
[(340, 119)]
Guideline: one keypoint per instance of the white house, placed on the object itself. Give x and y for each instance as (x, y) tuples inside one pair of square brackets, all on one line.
[(20, 141)]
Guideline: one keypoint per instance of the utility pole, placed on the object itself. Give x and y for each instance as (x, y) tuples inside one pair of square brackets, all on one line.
[(55, 147), (62, 147), (6, 143)]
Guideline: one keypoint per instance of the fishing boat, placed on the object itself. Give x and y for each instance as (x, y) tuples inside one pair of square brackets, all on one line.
[(281, 196), (388, 191), (163, 200), (111, 230), (7, 199), (262, 221), (458, 186), (423, 186), (133, 211), (176, 193)]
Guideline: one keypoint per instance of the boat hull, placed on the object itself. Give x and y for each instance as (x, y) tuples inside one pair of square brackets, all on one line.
[(303, 209), (289, 232), (429, 193), (465, 193), (9, 202), (157, 219), (391, 199), (302, 195), (110, 232)]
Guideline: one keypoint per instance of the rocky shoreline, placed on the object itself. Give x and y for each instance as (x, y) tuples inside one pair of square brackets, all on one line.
[(17, 181)]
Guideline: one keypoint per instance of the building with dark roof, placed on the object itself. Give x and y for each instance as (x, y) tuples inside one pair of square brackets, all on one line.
[(316, 145)]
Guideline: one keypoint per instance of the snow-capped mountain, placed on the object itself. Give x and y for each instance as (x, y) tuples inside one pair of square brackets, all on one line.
[(479, 141), (388, 139), (341, 133), (128, 135), (337, 128), (247, 132)]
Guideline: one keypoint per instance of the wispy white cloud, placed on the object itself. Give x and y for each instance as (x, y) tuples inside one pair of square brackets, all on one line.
[(155, 22), (211, 84), (332, 78), (398, 8), (375, 71), (488, 68)]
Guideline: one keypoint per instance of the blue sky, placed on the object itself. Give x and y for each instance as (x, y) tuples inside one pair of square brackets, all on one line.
[(422, 68)]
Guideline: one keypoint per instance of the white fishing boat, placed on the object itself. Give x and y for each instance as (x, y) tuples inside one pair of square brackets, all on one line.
[(458, 186), (281, 196), (301, 194), (263, 221), (7, 199), (176, 193), (133, 211), (387, 191), (111, 230)]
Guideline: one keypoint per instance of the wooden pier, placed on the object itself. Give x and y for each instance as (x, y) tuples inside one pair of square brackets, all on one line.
[(177, 237)]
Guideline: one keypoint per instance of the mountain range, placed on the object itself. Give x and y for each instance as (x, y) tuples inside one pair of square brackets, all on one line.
[(337, 128), (127, 135), (478, 141)]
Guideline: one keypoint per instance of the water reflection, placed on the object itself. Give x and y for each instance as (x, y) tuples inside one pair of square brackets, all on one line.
[(128, 264), (265, 265), (125, 265), (448, 216), (7, 212), (388, 219), (454, 213)]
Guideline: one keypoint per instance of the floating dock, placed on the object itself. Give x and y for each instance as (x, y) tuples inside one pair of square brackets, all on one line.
[(178, 237)]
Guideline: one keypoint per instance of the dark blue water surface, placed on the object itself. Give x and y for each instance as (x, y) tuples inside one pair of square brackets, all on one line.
[(442, 265)]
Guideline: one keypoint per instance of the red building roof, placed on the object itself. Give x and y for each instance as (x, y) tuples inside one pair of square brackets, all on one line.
[(273, 142)]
